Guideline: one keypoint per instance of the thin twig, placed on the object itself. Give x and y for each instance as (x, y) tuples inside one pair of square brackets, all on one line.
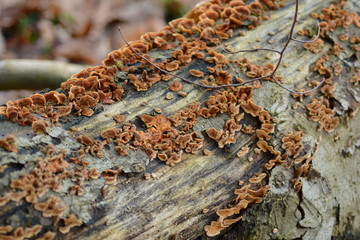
[(183, 79), (253, 50), (271, 76), (309, 41)]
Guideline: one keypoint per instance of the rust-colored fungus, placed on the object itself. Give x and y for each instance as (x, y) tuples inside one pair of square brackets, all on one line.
[(355, 79), (169, 137), (160, 122), (5, 229), (301, 171), (47, 236), (94, 173), (55, 97), (70, 221), (50, 208), (122, 150), (110, 175), (8, 143), (315, 46), (268, 127), (243, 152), (38, 100), (172, 66), (209, 34), (118, 118), (3, 168), (257, 178), (108, 134), (250, 107), (196, 73), (39, 126), (86, 140), (327, 90), (213, 133), (320, 112), (176, 86), (262, 135), (292, 143)]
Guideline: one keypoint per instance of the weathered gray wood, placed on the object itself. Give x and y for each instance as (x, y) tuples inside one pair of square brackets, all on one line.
[(170, 205)]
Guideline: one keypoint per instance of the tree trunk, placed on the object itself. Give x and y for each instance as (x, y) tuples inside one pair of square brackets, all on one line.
[(153, 200)]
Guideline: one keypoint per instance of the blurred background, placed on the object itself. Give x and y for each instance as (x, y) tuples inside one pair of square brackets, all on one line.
[(80, 32)]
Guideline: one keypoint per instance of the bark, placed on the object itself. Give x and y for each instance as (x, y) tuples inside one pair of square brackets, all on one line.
[(170, 205)]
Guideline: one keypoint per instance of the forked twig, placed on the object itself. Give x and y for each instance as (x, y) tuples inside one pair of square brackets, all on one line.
[(182, 78), (271, 76), (281, 53)]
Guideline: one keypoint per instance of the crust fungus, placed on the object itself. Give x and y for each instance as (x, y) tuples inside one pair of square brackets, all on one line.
[(172, 66), (5, 198), (50, 208), (206, 22), (250, 107), (39, 126), (88, 141), (169, 157), (243, 152), (8, 143), (264, 117), (271, 4), (262, 135), (47, 236), (327, 90), (315, 46), (185, 25), (55, 97), (175, 86), (55, 164), (248, 130), (21, 233), (264, 146), (3, 168), (292, 143), (257, 178), (5, 229), (320, 112), (160, 122), (94, 173), (256, 8), (213, 133), (268, 127), (196, 73), (38, 100), (209, 34), (69, 222), (24, 102), (76, 190), (61, 112), (355, 79), (108, 134), (122, 150), (110, 175)]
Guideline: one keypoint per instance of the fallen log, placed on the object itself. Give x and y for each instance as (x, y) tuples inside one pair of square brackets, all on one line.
[(124, 151)]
